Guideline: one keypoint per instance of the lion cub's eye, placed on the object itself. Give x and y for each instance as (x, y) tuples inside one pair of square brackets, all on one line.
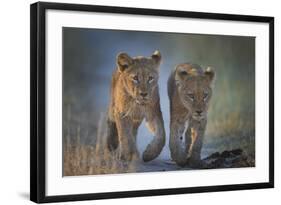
[(150, 79), (135, 79), (191, 96), (205, 96)]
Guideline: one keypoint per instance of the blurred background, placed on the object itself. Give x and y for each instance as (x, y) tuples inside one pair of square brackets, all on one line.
[(89, 60)]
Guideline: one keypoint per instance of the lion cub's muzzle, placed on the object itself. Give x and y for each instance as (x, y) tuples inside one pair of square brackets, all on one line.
[(142, 98), (198, 115)]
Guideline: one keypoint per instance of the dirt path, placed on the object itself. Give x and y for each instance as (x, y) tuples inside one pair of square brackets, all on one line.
[(226, 159)]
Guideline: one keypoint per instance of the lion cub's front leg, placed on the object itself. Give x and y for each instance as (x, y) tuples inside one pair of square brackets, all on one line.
[(196, 134), (187, 151), (179, 146), (156, 125), (127, 140)]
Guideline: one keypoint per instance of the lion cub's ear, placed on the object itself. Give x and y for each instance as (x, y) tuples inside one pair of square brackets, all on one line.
[(181, 72), (123, 61), (210, 74), (156, 57)]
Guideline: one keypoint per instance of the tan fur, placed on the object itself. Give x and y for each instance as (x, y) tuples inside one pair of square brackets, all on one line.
[(189, 90), (135, 97)]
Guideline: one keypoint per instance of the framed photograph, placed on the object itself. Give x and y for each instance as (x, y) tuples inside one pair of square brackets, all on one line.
[(129, 102)]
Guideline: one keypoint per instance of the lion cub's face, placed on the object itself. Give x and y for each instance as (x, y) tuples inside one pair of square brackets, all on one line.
[(139, 75), (194, 87)]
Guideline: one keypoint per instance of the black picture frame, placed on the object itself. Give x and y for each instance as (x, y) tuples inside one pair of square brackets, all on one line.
[(38, 101)]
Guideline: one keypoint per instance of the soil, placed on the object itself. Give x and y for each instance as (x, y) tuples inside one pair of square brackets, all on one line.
[(235, 158)]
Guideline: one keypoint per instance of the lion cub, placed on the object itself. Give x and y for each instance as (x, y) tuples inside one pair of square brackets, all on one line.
[(189, 90), (135, 97)]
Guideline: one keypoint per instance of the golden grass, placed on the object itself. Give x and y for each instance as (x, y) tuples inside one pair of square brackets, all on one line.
[(79, 159)]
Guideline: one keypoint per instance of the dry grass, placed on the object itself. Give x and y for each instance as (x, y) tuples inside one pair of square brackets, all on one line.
[(231, 120), (80, 159)]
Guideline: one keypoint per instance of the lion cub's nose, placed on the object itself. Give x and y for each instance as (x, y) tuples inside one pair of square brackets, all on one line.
[(199, 112), (143, 94)]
